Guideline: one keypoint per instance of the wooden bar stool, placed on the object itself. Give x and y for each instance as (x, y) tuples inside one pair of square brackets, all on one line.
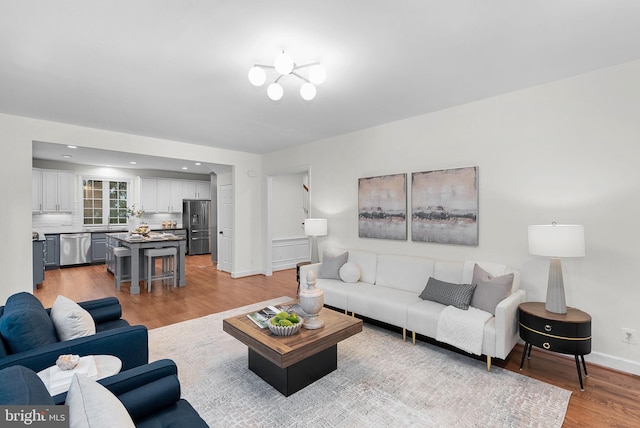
[(168, 270), (121, 274)]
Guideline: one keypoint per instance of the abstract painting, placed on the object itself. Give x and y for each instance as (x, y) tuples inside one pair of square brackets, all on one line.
[(444, 206), (382, 207)]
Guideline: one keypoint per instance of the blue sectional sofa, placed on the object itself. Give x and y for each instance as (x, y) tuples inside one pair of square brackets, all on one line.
[(150, 394), (28, 336)]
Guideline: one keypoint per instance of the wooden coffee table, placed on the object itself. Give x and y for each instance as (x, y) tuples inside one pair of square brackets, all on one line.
[(290, 363)]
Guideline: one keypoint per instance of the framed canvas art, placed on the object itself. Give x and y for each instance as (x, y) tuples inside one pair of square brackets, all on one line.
[(444, 206), (382, 207)]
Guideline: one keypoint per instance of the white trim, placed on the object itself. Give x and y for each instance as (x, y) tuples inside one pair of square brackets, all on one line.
[(614, 362)]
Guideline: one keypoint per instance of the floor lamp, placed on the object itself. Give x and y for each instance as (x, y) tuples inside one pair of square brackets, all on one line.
[(315, 227), (556, 241)]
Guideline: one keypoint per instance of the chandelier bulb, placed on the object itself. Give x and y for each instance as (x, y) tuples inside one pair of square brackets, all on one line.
[(275, 91), (308, 91), (317, 74), (283, 63), (257, 76)]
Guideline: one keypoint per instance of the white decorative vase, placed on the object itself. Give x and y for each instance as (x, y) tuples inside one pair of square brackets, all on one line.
[(312, 301), (133, 223)]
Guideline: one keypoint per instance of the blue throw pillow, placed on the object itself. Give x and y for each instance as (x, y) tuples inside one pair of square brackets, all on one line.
[(21, 386), (25, 324)]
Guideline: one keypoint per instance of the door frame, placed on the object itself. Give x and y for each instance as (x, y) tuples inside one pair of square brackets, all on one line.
[(222, 264), (268, 227)]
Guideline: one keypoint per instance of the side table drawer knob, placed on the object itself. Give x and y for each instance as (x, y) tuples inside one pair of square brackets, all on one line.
[(546, 345), (547, 328)]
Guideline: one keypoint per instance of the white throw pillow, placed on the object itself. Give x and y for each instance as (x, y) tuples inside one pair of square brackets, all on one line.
[(91, 405), (71, 320), (350, 272)]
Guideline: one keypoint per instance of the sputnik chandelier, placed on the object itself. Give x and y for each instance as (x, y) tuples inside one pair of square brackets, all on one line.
[(284, 65)]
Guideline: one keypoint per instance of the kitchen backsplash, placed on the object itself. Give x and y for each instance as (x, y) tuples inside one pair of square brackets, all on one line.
[(72, 222)]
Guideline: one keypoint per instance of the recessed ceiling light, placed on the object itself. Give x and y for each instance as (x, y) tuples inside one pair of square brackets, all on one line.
[(184, 167), (133, 163), (66, 156), (198, 163), (72, 147)]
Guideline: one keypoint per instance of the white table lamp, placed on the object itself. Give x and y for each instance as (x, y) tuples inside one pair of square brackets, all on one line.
[(556, 241), (315, 227)]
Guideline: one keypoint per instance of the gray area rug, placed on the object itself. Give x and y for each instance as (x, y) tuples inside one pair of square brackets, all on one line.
[(380, 381)]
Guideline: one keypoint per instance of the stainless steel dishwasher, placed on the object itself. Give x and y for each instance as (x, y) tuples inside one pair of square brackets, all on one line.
[(75, 248)]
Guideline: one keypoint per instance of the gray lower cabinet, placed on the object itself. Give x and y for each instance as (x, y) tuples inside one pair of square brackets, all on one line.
[(180, 232), (110, 260), (52, 251), (38, 263), (98, 248)]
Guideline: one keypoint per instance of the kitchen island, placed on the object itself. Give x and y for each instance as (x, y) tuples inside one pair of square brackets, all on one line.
[(137, 245)]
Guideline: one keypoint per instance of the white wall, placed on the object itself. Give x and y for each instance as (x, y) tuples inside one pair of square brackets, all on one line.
[(567, 151), (17, 135)]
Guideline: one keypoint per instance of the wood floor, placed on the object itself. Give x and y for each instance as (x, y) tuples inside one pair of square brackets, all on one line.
[(610, 399)]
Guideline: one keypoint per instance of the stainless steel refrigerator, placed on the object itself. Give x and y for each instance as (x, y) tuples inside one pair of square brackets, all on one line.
[(197, 219)]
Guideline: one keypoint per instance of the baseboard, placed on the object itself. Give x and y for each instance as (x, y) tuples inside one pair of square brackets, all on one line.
[(615, 363), (284, 266), (241, 274)]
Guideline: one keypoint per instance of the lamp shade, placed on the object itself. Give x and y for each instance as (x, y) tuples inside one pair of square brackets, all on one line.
[(315, 227), (557, 240)]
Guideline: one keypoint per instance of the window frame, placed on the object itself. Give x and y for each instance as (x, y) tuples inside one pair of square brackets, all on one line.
[(106, 201)]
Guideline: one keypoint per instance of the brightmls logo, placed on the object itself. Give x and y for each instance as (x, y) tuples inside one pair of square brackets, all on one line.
[(34, 416)]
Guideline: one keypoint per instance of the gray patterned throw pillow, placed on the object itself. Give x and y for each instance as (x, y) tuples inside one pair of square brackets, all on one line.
[(447, 293)]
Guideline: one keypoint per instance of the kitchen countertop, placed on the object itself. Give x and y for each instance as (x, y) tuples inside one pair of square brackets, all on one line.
[(56, 231), (157, 236)]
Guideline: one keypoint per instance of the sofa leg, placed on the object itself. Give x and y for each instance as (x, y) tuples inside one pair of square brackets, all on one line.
[(346, 312), (413, 337), (488, 363), (404, 334)]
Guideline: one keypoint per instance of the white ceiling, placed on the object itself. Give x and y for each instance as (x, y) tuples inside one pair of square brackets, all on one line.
[(178, 69)]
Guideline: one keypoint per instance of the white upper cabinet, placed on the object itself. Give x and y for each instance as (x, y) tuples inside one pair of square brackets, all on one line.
[(36, 190), (196, 190), (54, 192), (175, 192), (148, 195), (203, 190), (159, 195), (164, 196)]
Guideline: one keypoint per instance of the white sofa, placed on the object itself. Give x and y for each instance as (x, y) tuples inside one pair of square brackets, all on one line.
[(389, 287)]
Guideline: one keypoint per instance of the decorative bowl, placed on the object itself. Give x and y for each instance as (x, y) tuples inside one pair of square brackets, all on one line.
[(281, 330)]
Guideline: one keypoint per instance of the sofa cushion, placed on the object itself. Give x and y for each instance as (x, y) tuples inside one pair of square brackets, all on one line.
[(91, 405), (336, 293), (350, 272), (22, 386), (458, 295), (385, 304), (367, 261), (408, 273), (449, 271), (25, 324), (330, 266), (490, 290), (70, 320)]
